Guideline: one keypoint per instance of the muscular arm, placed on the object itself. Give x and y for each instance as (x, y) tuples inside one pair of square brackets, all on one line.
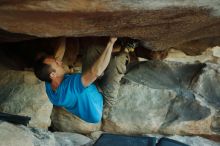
[(99, 66), (60, 50)]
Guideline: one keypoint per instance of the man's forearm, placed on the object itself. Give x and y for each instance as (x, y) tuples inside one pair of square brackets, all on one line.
[(100, 65), (60, 50)]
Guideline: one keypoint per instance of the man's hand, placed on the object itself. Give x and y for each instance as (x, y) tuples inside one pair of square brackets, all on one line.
[(113, 39), (60, 49)]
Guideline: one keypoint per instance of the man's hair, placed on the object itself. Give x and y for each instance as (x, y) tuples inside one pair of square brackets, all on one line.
[(42, 70)]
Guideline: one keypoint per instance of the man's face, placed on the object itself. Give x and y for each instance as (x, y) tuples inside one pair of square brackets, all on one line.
[(55, 65)]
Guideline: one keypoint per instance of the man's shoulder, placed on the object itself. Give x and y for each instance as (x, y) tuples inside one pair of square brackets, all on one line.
[(68, 77), (72, 75)]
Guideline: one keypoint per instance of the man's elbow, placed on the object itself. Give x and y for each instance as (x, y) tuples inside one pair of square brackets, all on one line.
[(88, 78), (96, 72)]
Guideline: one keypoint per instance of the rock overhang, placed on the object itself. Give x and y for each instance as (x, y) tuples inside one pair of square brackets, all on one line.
[(162, 24)]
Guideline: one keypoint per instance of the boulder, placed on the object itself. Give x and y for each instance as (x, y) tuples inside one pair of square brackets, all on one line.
[(140, 110), (12, 135), (23, 94), (67, 122), (208, 92), (167, 98), (17, 135), (68, 139), (207, 85)]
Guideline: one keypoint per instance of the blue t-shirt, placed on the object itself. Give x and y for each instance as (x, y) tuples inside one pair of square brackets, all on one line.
[(86, 103)]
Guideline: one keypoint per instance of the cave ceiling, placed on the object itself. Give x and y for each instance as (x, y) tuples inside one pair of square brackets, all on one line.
[(188, 25)]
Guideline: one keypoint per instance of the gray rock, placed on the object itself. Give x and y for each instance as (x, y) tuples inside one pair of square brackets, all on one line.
[(17, 135), (23, 94), (162, 97), (140, 110), (67, 122), (185, 109), (164, 75), (215, 125), (71, 139), (12, 135), (207, 85)]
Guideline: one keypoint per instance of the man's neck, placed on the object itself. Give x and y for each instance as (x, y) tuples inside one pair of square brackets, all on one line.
[(56, 82)]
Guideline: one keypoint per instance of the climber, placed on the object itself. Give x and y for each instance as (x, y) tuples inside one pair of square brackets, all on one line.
[(78, 93)]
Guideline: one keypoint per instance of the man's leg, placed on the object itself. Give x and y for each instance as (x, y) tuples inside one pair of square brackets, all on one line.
[(110, 82)]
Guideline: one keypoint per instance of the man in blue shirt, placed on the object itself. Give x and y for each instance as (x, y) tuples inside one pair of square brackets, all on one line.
[(77, 93)]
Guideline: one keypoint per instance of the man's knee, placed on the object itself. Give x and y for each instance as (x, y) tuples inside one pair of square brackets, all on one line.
[(121, 62)]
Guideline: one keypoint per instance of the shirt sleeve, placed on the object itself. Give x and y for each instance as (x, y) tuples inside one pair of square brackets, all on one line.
[(76, 83)]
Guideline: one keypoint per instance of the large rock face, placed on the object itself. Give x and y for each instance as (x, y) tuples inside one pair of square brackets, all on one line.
[(23, 94), (187, 25), (168, 98)]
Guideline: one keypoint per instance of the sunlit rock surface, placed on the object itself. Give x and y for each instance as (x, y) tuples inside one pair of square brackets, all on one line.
[(209, 55)]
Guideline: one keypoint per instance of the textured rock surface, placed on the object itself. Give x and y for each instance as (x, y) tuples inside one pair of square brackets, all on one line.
[(207, 85), (169, 98), (209, 55), (71, 139), (22, 94), (65, 121), (161, 23), (12, 135)]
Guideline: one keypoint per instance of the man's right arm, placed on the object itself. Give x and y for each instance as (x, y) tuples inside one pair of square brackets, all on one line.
[(99, 66), (60, 49)]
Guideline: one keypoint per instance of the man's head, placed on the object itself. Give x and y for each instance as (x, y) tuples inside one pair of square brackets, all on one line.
[(47, 68)]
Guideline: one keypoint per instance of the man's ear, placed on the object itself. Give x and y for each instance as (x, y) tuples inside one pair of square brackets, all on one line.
[(52, 75)]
